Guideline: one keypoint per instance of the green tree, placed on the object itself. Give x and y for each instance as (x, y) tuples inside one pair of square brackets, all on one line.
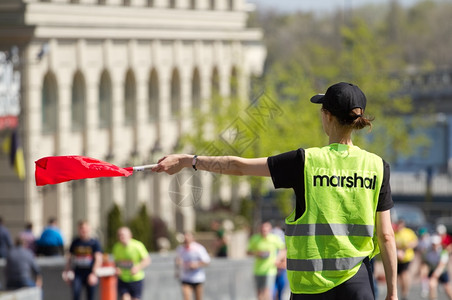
[(114, 222), (141, 227), (281, 118)]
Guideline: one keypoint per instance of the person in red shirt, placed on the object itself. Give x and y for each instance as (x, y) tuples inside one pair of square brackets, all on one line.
[(446, 239)]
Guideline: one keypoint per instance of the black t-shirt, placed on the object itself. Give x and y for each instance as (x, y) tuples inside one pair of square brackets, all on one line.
[(83, 252), (287, 171)]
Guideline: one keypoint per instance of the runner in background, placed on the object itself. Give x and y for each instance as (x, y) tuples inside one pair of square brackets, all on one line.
[(268, 251), (131, 258), (406, 240), (437, 260), (191, 260), (84, 257)]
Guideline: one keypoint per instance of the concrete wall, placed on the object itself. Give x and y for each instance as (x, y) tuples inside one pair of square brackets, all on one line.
[(22, 294), (227, 279)]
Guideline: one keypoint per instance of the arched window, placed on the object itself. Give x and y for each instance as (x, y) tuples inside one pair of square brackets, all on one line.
[(153, 96), (196, 91), (105, 107), (175, 93), (78, 102), (130, 99), (49, 104)]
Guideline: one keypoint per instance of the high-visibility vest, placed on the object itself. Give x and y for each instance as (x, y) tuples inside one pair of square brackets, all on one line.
[(327, 244)]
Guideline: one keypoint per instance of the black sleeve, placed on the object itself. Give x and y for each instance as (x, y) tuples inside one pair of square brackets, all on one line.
[(286, 169), (385, 201), (74, 244), (96, 246)]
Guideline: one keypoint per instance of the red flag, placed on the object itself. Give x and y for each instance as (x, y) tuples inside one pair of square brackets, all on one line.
[(56, 169)]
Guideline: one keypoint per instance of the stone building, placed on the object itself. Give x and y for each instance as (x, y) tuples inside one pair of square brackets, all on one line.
[(116, 80)]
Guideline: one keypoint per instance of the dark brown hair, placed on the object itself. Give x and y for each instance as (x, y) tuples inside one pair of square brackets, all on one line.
[(355, 119)]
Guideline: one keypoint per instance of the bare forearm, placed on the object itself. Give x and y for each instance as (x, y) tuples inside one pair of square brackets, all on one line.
[(145, 262), (67, 266), (97, 261), (233, 165), (386, 241), (389, 259), (230, 165), (439, 270)]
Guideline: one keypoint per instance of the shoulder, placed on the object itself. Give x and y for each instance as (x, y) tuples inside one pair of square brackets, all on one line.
[(94, 243), (409, 232), (290, 155), (116, 247), (136, 243), (255, 237), (370, 154), (199, 246), (76, 241), (276, 239), (386, 166), (140, 247)]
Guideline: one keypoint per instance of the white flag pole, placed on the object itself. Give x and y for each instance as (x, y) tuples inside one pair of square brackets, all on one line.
[(144, 167)]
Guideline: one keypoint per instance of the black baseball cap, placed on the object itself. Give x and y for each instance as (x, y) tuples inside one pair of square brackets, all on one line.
[(341, 98)]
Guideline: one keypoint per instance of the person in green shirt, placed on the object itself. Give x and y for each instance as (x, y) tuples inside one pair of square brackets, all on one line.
[(267, 248), (131, 257)]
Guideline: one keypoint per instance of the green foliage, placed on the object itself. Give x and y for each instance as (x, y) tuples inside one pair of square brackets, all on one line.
[(205, 218), (114, 222), (145, 228), (285, 201), (371, 47), (160, 230), (246, 209), (141, 227), (362, 58), (419, 32)]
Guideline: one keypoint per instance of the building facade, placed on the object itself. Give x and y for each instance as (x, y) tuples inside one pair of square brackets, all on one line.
[(117, 80)]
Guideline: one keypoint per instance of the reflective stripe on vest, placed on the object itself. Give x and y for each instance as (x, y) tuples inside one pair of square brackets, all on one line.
[(326, 264), (329, 229)]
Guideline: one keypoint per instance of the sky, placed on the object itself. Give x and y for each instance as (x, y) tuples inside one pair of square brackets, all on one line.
[(318, 6)]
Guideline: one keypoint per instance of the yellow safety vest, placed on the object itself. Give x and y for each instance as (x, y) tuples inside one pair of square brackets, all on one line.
[(327, 244)]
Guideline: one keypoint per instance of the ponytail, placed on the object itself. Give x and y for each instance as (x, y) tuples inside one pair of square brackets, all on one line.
[(356, 120)]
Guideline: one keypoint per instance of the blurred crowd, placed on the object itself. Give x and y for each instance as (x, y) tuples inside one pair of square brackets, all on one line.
[(85, 257), (423, 256)]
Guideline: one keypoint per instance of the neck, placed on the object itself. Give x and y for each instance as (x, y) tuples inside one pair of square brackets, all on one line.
[(339, 134), (346, 140)]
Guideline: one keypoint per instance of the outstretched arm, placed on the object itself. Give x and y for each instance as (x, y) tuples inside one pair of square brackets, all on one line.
[(230, 165)]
